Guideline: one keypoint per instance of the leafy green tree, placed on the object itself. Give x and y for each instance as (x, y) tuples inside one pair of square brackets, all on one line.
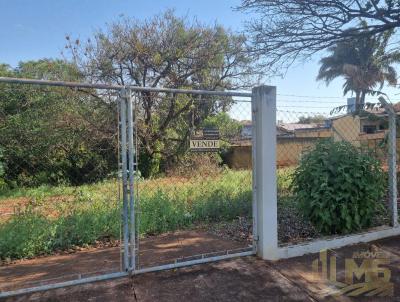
[(54, 135), (363, 62), (171, 52), (228, 127)]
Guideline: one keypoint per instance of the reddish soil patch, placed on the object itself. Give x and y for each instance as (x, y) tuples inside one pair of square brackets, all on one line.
[(157, 250), (11, 206)]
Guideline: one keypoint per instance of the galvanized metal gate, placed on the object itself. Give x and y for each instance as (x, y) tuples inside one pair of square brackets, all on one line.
[(128, 102)]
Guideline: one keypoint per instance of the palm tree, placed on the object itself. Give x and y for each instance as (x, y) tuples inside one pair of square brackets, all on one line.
[(363, 62)]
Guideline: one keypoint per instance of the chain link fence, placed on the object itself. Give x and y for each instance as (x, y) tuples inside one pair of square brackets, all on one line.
[(97, 182), (59, 204), (334, 171), (193, 201)]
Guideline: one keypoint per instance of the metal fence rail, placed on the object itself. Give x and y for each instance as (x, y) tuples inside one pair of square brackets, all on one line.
[(121, 87)]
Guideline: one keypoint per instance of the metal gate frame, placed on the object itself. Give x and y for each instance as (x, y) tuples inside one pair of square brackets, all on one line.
[(127, 167)]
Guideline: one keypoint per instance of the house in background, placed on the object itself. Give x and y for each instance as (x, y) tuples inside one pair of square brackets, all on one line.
[(297, 130), (354, 128), (371, 124), (293, 139), (288, 130)]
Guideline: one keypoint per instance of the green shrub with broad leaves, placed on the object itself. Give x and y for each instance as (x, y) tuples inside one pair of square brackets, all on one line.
[(338, 187)]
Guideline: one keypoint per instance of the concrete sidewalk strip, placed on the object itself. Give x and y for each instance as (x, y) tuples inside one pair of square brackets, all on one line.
[(241, 279)]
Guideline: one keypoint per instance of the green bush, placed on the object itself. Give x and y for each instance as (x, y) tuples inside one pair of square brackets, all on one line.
[(338, 187), (284, 180)]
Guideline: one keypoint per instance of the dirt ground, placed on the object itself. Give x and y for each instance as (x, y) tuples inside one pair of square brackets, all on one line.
[(240, 279), (157, 250)]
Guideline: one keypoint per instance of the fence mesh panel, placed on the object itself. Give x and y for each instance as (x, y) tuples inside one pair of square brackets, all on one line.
[(192, 204), (59, 188), (328, 161)]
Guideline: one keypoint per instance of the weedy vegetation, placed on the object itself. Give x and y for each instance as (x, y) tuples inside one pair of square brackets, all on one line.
[(65, 217)]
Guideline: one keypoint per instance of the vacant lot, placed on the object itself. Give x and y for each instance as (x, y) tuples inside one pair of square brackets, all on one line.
[(47, 219), (44, 220)]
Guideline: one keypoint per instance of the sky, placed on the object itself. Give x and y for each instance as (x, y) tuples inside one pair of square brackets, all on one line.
[(31, 30)]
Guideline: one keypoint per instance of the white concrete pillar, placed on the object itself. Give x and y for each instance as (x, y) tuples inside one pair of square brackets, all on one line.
[(264, 172)]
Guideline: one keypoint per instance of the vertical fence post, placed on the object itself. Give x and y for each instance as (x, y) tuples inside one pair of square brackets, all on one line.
[(264, 184), (124, 168), (131, 159), (254, 172), (392, 166)]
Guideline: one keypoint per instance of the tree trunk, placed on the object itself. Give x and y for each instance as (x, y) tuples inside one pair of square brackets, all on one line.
[(358, 100), (362, 99), (149, 163)]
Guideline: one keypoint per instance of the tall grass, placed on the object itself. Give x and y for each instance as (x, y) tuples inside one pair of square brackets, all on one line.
[(171, 206), (92, 212)]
